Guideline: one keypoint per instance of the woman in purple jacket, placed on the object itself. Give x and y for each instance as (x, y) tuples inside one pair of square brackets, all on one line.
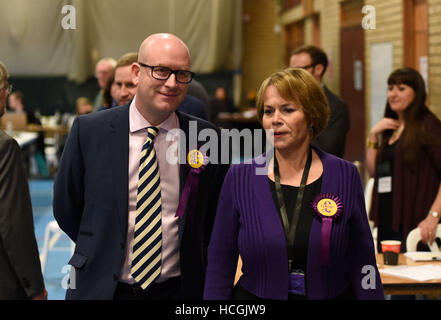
[(299, 223)]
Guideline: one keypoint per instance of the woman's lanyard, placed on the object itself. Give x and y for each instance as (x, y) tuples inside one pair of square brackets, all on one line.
[(290, 229)]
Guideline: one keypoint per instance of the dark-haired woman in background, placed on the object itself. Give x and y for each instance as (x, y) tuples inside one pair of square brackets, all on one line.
[(404, 155)]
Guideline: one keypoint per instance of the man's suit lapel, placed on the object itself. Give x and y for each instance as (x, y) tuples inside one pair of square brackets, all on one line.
[(330, 96), (183, 167), (119, 159)]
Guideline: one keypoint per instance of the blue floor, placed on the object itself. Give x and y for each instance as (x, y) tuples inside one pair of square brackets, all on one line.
[(59, 255)]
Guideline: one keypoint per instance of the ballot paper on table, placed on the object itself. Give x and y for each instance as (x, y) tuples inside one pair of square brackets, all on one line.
[(423, 256), (420, 273)]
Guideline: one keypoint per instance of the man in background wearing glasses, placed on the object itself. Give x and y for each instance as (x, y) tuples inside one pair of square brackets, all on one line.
[(20, 270), (129, 242), (333, 138)]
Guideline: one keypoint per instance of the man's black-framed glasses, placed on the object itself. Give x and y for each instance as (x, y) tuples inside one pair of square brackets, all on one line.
[(163, 73)]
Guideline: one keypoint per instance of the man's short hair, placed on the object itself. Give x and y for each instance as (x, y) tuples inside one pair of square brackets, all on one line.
[(4, 75), (318, 56), (127, 59)]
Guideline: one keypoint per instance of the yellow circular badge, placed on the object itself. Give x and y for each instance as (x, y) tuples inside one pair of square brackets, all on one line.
[(195, 158), (327, 207)]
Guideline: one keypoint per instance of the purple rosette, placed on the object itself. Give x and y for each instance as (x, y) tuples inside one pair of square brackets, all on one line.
[(327, 207), (190, 192)]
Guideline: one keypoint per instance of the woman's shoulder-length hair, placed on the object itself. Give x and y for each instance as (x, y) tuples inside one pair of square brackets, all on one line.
[(300, 87)]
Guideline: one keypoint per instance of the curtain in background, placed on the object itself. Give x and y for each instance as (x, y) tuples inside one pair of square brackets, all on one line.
[(31, 39), (33, 42)]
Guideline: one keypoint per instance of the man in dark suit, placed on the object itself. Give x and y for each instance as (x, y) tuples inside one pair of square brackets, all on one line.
[(20, 270), (333, 138), (101, 183)]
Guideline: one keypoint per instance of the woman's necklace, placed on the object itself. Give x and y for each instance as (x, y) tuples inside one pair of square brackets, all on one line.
[(396, 134)]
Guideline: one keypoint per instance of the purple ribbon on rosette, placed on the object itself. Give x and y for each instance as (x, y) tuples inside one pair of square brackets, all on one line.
[(327, 207), (190, 192)]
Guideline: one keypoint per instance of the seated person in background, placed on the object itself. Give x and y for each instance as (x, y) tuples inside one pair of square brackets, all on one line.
[(251, 99), (220, 103), (226, 103), (16, 104), (84, 106)]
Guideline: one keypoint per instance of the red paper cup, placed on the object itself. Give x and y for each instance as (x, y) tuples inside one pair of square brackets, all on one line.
[(391, 250), (391, 245)]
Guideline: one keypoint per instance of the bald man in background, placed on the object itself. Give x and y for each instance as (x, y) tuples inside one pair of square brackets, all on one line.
[(96, 188), (104, 71)]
